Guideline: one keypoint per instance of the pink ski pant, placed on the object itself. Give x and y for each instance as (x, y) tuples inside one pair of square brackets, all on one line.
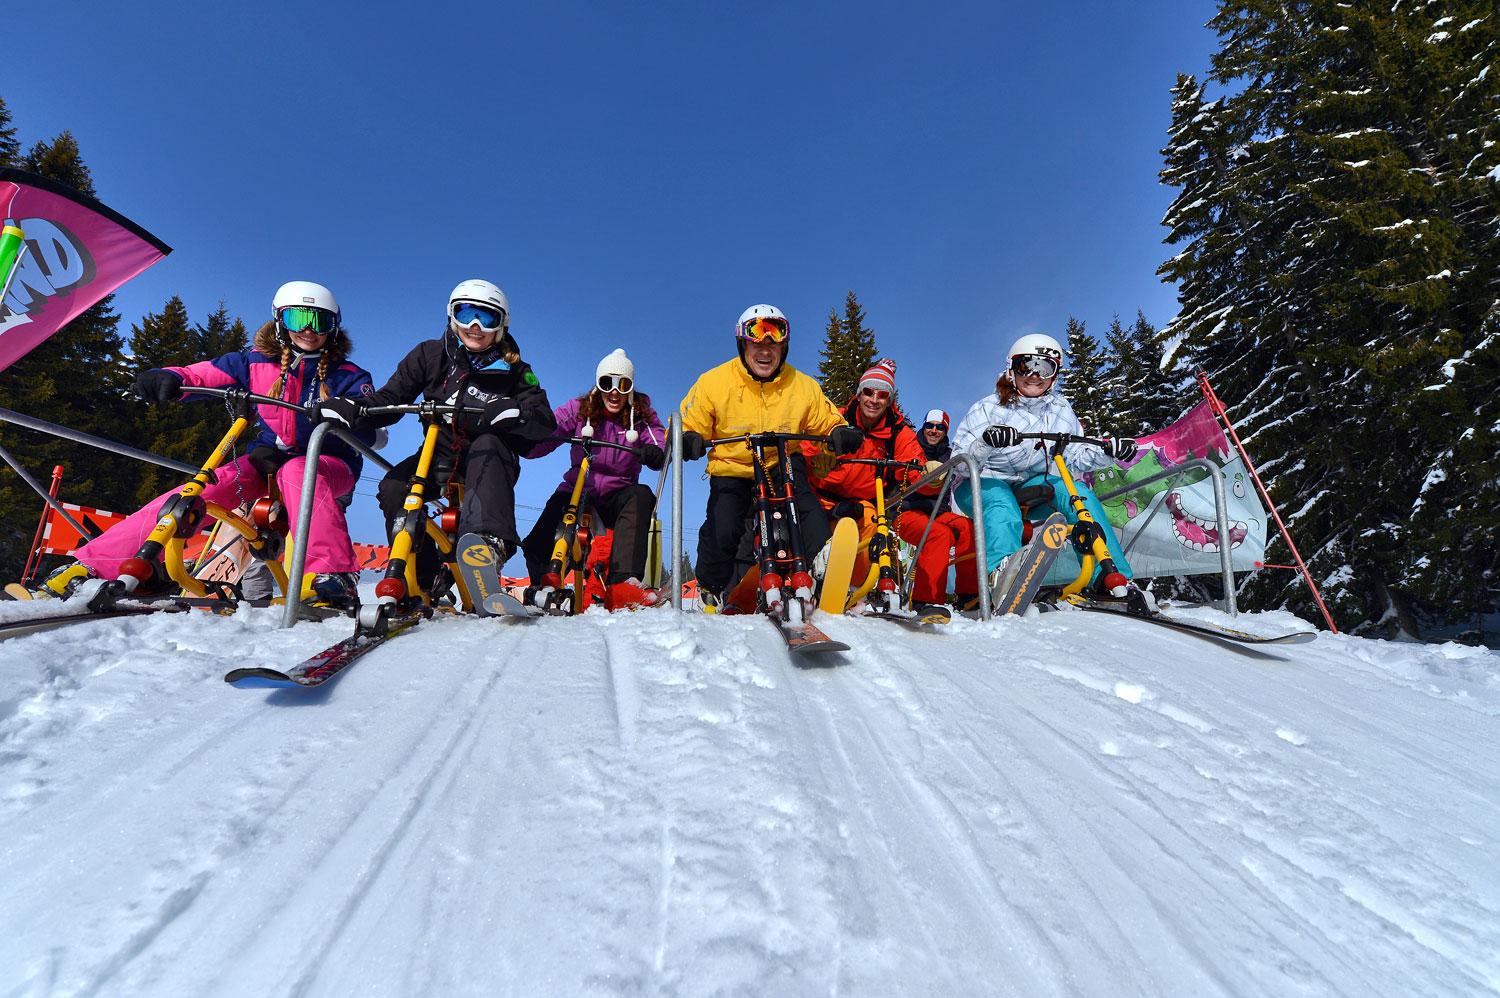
[(328, 545)]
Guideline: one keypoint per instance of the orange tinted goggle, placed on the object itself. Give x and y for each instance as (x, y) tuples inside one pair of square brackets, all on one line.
[(764, 330)]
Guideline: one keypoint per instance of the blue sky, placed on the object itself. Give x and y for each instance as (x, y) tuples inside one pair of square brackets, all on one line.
[(634, 174)]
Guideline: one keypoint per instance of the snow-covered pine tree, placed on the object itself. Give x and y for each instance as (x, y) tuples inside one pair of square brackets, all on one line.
[(1145, 399), (1084, 380), (1338, 262)]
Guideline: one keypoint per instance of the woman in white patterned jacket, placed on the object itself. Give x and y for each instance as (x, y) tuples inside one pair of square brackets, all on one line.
[(1024, 402)]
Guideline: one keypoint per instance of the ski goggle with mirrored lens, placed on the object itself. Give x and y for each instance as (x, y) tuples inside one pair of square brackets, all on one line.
[(764, 330), (307, 319), (618, 383), (467, 313), (1034, 364)]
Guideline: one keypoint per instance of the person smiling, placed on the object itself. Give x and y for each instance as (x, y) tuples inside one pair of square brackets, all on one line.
[(757, 392), (301, 355), (615, 413), (1025, 401), (503, 411)]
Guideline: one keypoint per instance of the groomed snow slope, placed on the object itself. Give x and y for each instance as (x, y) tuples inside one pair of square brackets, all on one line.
[(658, 803)]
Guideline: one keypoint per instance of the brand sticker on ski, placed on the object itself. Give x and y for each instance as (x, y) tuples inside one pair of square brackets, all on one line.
[(1055, 536), (479, 556)]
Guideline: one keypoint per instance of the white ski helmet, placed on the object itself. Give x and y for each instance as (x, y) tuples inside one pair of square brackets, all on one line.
[(1036, 345), (616, 364), (481, 293), (304, 293), (1039, 344), (760, 312)]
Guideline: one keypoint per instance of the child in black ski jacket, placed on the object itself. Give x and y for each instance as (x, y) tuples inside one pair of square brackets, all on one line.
[(504, 412)]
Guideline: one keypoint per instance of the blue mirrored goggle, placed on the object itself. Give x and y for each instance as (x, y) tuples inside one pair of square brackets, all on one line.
[(467, 313)]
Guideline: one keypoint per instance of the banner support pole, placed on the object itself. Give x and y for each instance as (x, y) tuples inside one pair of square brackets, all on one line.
[(1223, 416)]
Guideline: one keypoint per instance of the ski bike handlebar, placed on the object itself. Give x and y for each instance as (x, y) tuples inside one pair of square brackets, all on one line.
[(422, 408), (240, 396), (589, 443), (1063, 439), (767, 439), (885, 462)]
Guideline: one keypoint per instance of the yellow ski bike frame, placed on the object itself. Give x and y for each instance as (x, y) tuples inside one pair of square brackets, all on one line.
[(570, 549), (182, 516)]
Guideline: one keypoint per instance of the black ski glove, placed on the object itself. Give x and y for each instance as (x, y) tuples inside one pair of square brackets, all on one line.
[(845, 439), (157, 385), (1001, 436), (653, 456), (344, 410), (500, 414), (1120, 448), (268, 460), (852, 508), (693, 447)]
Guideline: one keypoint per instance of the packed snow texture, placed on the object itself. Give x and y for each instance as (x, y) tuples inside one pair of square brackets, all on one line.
[(663, 803)]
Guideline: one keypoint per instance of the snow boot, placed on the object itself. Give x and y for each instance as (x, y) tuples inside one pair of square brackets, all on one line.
[(60, 584), (333, 590), (629, 595), (932, 613)]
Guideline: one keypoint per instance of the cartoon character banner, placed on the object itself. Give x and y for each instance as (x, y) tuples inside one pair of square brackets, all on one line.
[(1169, 527), (72, 252)]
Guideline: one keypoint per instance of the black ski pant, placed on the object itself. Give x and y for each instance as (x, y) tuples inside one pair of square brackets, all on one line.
[(488, 470), (726, 543), (626, 511)]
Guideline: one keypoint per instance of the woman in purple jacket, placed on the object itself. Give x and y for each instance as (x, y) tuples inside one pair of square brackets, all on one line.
[(618, 414)]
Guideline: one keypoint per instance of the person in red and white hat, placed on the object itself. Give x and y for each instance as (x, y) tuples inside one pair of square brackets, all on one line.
[(849, 489)]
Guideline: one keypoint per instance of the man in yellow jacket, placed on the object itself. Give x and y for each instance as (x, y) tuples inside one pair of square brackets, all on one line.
[(758, 392)]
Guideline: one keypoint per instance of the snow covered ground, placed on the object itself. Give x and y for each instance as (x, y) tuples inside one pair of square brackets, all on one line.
[(658, 803)]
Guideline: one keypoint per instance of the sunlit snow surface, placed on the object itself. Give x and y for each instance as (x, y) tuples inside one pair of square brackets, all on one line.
[(663, 804)]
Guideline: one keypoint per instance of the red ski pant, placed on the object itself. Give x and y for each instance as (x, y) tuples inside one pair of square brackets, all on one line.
[(951, 539)]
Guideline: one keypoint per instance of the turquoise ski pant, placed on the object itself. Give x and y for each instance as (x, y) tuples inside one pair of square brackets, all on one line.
[(1002, 518)]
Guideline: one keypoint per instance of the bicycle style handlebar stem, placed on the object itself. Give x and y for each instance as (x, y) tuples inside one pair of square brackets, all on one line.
[(769, 438)]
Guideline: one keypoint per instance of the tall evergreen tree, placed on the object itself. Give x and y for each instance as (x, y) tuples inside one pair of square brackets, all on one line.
[(219, 335), (184, 431), (1084, 379), (833, 369), (1147, 399), (76, 377), (1339, 234), (10, 145), (848, 349)]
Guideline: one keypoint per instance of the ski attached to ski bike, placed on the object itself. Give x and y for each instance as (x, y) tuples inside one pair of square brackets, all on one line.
[(322, 666), (1023, 573)]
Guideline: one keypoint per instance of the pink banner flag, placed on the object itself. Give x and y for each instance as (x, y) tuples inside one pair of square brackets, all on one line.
[(75, 252)]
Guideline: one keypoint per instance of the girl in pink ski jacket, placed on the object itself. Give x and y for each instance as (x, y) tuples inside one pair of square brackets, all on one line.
[(300, 356)]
